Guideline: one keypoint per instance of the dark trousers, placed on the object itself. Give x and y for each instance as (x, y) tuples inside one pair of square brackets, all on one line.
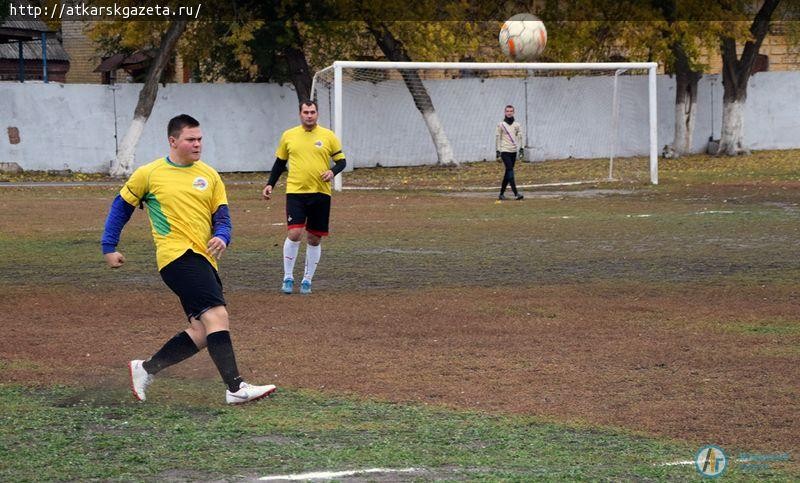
[(509, 159)]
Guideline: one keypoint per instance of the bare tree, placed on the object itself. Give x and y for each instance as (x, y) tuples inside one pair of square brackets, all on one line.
[(393, 49), (123, 164), (736, 73)]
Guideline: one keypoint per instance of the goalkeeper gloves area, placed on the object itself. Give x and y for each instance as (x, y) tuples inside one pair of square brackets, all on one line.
[(497, 155), (521, 154)]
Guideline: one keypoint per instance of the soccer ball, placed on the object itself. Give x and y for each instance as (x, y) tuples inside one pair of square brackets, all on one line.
[(523, 37)]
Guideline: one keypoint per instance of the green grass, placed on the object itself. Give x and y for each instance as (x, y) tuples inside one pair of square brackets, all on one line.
[(97, 433), (712, 220), (766, 327)]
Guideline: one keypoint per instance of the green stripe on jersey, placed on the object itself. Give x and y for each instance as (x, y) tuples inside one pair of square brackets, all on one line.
[(157, 216)]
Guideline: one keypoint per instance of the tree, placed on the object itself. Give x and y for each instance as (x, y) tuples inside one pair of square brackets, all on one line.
[(4, 4), (394, 51), (123, 164), (686, 41), (736, 73)]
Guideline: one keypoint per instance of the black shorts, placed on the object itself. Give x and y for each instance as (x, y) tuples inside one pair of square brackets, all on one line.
[(309, 210), (195, 281)]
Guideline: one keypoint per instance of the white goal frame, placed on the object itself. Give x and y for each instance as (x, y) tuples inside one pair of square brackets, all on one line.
[(618, 67)]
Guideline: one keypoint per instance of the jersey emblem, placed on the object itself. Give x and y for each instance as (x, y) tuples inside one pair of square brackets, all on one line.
[(200, 183), (318, 144)]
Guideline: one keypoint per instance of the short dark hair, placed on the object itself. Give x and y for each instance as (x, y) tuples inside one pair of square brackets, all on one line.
[(177, 123), (309, 102), (512, 107)]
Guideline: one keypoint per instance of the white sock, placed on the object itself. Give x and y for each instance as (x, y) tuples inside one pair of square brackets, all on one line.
[(290, 249), (313, 253)]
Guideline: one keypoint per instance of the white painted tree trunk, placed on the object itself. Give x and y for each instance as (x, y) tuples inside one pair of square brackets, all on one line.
[(684, 126), (123, 163), (731, 140), (127, 149), (444, 152)]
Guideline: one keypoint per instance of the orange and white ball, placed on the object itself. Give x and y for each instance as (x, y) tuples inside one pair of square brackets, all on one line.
[(523, 37)]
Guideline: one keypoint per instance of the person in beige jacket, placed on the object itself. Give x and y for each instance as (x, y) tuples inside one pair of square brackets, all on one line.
[(509, 140)]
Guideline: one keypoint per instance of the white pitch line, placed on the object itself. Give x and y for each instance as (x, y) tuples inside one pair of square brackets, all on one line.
[(677, 463), (541, 185), (715, 212), (326, 475)]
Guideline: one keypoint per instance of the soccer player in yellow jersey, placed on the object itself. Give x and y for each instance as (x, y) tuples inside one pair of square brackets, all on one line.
[(308, 150), (188, 210)]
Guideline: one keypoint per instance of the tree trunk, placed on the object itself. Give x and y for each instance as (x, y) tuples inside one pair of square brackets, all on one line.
[(298, 66), (735, 76), (123, 164), (686, 81), (394, 51)]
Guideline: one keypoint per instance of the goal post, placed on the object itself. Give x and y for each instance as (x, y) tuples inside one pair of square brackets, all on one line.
[(601, 114)]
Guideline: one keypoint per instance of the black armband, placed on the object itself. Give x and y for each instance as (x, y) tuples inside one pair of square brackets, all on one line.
[(339, 166), (277, 170)]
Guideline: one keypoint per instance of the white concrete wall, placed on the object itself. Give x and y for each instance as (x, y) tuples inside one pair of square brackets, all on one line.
[(73, 126)]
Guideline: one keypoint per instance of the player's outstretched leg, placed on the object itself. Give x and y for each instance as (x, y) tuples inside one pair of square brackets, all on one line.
[(175, 350), (220, 348), (140, 379)]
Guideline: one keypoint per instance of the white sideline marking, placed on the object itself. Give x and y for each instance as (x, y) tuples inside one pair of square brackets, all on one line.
[(365, 188), (677, 463), (472, 188), (542, 185), (714, 212), (325, 475)]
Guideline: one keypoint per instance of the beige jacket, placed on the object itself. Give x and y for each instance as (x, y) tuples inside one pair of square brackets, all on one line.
[(509, 139)]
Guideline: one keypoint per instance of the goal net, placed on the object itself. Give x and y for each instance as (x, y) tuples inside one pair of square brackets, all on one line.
[(583, 122)]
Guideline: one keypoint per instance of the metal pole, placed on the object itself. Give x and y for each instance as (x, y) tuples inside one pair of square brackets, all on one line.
[(21, 64), (337, 114), (653, 126), (527, 128), (44, 57)]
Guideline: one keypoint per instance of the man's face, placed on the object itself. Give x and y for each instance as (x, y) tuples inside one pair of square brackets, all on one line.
[(509, 112), (189, 145), (308, 115)]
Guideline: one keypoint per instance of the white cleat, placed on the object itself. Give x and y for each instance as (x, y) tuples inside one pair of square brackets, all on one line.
[(247, 393), (140, 379)]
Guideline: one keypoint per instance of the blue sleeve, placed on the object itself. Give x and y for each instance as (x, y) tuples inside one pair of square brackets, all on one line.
[(119, 214), (221, 221)]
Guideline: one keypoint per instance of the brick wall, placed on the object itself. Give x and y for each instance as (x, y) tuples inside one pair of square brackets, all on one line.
[(782, 55), (83, 57)]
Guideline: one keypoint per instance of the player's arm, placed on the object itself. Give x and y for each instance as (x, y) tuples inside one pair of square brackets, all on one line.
[(221, 228), (337, 168), (275, 173), (118, 215), (521, 137)]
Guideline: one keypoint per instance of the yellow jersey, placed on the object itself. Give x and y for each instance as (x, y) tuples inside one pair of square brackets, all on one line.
[(180, 202), (309, 154)]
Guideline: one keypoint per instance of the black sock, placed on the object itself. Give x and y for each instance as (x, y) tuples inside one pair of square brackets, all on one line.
[(220, 349), (178, 348)]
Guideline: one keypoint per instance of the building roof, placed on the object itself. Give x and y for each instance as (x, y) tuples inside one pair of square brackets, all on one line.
[(32, 50), (136, 60), (20, 27)]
